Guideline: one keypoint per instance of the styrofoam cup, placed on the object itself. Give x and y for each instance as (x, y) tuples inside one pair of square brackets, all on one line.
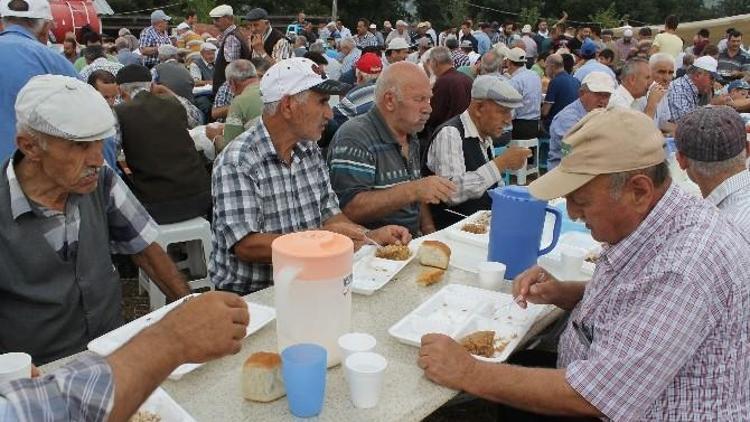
[(364, 373), (491, 275), (350, 343), (571, 261), (14, 366)]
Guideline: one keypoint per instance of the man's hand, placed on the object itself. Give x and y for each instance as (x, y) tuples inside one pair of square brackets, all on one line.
[(256, 42), (350, 230), (433, 189), (536, 285), (159, 89), (214, 130), (512, 158), (391, 235), (206, 327), (444, 361), (655, 94)]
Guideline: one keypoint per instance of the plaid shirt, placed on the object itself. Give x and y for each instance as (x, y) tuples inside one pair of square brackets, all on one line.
[(131, 229), (102, 63), (350, 60), (663, 329), (255, 192), (150, 37), (368, 40), (682, 97), (459, 58), (732, 197), (82, 390), (224, 96), (232, 49)]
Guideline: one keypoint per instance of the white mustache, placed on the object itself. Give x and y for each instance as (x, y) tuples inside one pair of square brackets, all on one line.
[(91, 171)]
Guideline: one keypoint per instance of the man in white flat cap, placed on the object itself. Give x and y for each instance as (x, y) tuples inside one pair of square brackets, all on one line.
[(233, 44), (154, 36), (64, 212), (202, 68), (24, 21)]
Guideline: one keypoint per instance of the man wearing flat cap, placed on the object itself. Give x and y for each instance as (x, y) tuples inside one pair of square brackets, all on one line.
[(266, 42), (272, 179), (461, 149), (661, 330), (712, 148), (62, 214), (153, 37), (233, 44)]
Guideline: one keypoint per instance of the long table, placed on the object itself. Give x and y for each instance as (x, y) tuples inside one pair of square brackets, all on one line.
[(212, 392)]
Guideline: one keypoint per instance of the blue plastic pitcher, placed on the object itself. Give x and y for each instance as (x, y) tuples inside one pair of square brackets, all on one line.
[(516, 228)]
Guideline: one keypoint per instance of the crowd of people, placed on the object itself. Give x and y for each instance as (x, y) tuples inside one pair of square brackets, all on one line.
[(384, 134)]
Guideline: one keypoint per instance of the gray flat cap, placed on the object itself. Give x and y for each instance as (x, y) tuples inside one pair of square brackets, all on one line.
[(167, 50), (487, 87), (711, 134), (256, 15)]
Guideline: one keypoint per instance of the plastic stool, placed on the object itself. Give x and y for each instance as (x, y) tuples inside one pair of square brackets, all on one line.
[(198, 232)]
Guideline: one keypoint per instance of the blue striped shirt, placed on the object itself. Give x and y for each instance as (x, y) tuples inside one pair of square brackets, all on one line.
[(560, 126), (529, 85)]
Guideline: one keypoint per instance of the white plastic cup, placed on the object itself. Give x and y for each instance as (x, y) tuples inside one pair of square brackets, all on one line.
[(571, 261), (491, 275), (364, 373), (14, 366), (351, 343)]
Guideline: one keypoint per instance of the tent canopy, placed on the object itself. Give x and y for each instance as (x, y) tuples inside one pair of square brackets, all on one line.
[(717, 27), (103, 8)]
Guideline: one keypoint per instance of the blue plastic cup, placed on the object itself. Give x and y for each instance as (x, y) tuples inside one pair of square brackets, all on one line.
[(303, 367)]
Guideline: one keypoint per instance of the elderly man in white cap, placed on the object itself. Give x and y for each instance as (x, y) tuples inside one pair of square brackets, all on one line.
[(233, 44), (25, 21), (461, 149), (272, 179), (64, 212), (187, 38), (202, 68), (401, 31), (685, 93), (595, 92), (154, 36), (397, 51), (649, 338)]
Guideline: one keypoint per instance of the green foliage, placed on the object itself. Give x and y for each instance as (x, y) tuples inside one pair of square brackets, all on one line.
[(529, 16), (606, 18)]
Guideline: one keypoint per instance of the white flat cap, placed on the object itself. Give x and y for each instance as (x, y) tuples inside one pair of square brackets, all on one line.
[(599, 82), (183, 25), (37, 9), (44, 104), (167, 50), (221, 11), (208, 46), (398, 43)]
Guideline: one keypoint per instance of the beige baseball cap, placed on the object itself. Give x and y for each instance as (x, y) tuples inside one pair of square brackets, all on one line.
[(605, 141), (599, 82)]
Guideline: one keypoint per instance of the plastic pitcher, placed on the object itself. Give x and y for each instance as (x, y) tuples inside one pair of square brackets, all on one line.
[(312, 279), (516, 228)]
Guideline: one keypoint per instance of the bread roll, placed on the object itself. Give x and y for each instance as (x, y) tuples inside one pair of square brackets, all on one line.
[(430, 276), (261, 377), (434, 254)]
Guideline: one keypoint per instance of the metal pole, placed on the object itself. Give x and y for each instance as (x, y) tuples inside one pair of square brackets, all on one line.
[(334, 10)]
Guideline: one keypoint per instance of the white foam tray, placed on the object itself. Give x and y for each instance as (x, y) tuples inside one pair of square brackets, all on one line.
[(260, 315), (458, 310), (371, 273), (162, 404)]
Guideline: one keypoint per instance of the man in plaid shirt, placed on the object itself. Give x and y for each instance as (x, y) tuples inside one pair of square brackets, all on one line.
[(95, 388), (662, 331), (272, 180), (154, 36)]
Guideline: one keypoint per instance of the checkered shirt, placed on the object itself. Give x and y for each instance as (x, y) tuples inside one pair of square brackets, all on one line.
[(663, 330), (255, 192), (682, 97), (368, 40), (131, 228), (232, 47), (459, 58), (224, 96), (82, 390), (102, 63), (732, 197), (350, 60), (150, 37)]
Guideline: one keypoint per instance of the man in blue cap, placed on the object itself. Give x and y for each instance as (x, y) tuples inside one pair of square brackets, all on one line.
[(154, 36), (588, 53)]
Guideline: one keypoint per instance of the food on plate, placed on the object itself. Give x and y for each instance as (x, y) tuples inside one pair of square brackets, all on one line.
[(593, 258), (261, 377), (434, 254), (480, 343), (145, 416), (474, 228), (394, 252), (430, 276)]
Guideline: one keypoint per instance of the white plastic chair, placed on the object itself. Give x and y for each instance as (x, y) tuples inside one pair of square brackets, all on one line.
[(197, 231), (533, 166)]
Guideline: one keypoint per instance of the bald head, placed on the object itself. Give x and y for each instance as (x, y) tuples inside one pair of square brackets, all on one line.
[(402, 95)]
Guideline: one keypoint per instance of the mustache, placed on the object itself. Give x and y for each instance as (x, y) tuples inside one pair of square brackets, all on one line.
[(90, 171)]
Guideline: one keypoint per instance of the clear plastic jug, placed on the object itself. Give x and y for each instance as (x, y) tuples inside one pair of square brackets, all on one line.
[(312, 279)]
